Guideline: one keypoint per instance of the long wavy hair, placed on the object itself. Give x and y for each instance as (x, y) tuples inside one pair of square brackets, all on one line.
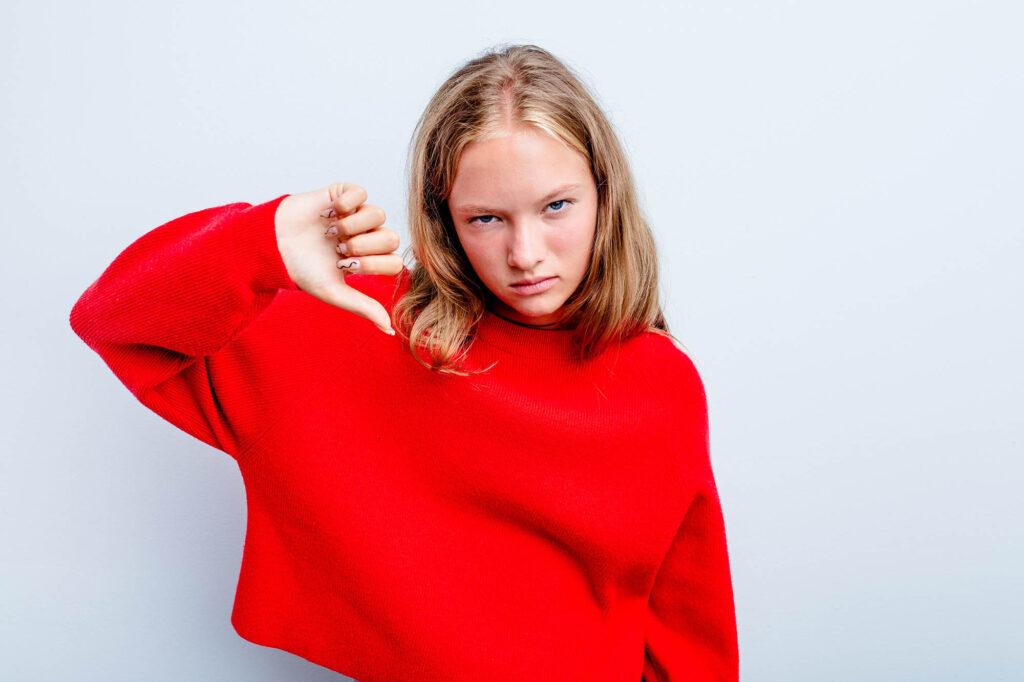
[(618, 296)]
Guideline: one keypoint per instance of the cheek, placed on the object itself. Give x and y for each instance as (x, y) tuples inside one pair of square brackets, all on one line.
[(481, 255), (575, 243), (470, 246)]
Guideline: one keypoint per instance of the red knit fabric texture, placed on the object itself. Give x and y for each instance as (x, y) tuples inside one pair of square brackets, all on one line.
[(549, 519)]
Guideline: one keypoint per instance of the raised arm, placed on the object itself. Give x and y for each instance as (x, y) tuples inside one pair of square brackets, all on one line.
[(173, 298), (165, 313)]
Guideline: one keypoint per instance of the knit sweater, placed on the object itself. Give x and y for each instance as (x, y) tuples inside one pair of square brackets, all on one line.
[(549, 519)]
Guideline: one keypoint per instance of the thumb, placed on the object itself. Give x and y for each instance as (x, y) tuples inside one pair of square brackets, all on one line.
[(348, 298)]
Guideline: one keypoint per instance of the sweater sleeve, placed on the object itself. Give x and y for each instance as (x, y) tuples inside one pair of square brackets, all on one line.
[(172, 299), (691, 626)]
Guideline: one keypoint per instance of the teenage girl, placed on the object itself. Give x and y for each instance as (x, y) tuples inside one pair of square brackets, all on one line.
[(513, 481)]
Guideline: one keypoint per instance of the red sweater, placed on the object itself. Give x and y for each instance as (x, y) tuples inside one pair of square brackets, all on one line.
[(549, 519)]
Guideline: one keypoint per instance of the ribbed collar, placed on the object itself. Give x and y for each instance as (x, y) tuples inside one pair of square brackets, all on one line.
[(525, 342)]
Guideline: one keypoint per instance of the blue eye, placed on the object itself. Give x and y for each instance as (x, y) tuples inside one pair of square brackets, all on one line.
[(560, 209)]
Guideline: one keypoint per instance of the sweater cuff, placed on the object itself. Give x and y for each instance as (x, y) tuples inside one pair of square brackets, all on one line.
[(256, 254)]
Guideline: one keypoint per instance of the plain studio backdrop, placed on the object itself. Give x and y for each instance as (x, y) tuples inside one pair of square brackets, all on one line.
[(835, 188)]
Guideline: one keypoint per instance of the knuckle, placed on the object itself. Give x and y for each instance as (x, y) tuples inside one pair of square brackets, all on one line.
[(358, 193), (347, 193), (372, 214)]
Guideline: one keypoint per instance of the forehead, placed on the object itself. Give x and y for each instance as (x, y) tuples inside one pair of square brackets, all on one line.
[(520, 166)]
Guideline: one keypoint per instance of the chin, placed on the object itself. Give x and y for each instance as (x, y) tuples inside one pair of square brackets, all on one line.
[(532, 308)]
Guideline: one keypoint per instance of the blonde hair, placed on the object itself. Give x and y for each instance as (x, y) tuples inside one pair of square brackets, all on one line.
[(618, 296)]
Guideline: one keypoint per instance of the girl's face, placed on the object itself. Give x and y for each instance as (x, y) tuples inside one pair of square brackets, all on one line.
[(524, 207)]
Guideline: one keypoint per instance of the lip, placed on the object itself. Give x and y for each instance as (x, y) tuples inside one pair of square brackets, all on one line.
[(534, 286)]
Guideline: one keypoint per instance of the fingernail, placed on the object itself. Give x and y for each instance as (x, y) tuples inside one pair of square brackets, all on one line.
[(341, 248), (332, 230), (348, 264), (388, 331)]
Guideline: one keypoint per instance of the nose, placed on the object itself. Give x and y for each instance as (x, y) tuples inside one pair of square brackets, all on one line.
[(527, 246)]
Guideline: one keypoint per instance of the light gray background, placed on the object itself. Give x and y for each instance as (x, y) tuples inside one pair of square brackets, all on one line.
[(836, 192)]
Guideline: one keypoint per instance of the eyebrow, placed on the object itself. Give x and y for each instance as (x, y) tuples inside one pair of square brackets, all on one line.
[(480, 208)]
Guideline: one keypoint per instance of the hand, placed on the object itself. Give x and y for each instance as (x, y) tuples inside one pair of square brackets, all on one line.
[(314, 257)]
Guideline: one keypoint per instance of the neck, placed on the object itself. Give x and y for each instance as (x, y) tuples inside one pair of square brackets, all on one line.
[(550, 325), (525, 340)]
